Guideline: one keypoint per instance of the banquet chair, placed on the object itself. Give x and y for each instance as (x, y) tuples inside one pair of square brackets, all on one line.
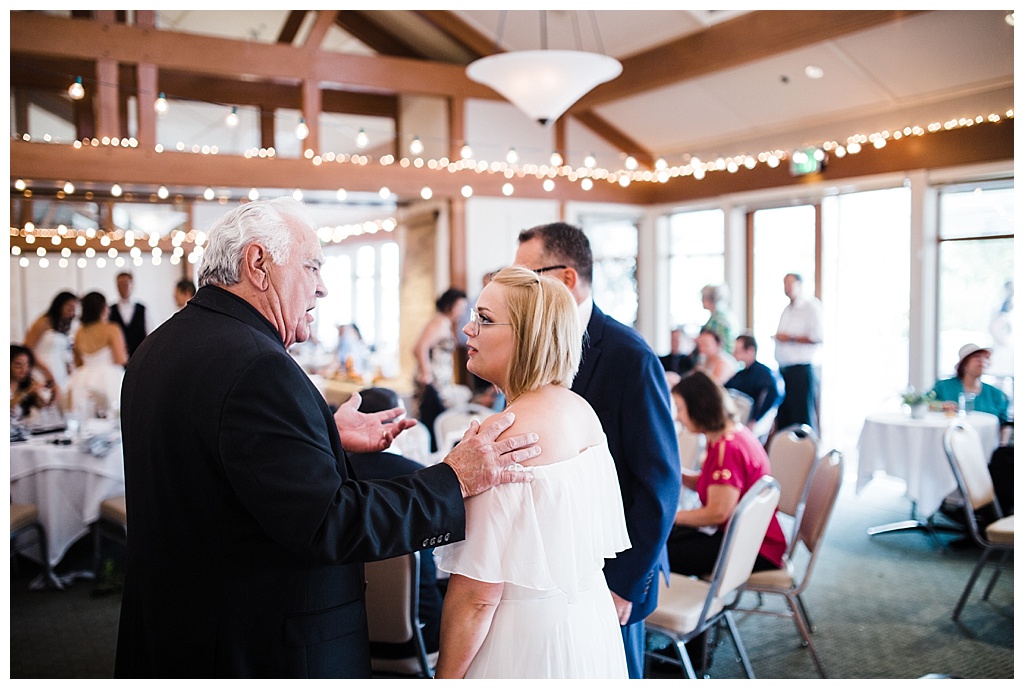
[(452, 423), (689, 606), (25, 519), (793, 453), (112, 524), (791, 580), (392, 614), (970, 469), (742, 405)]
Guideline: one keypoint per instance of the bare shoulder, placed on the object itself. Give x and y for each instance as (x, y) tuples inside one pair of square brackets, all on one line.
[(564, 421)]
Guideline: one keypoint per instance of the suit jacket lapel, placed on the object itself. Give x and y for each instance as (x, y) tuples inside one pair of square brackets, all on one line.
[(591, 351)]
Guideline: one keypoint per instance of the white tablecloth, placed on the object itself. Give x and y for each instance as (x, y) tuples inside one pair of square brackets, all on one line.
[(67, 484), (912, 450)]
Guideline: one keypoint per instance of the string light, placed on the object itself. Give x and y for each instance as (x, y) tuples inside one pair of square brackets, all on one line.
[(416, 146), (466, 152), (160, 105), (301, 130), (76, 90), (362, 140), (232, 119)]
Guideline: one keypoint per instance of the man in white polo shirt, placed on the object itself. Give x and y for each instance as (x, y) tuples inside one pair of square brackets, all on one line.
[(797, 348)]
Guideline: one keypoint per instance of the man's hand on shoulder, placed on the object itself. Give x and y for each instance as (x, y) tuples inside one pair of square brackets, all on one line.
[(482, 462)]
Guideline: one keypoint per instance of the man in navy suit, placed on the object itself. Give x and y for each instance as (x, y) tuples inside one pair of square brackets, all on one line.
[(624, 381), (248, 527)]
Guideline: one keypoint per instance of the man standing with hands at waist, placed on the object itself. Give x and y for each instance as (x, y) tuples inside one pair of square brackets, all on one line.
[(797, 348), (624, 381), (248, 529)]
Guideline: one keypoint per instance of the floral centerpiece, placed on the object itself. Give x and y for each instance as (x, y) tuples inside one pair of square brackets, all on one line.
[(917, 401)]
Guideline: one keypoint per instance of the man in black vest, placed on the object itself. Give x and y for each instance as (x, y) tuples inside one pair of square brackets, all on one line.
[(129, 314)]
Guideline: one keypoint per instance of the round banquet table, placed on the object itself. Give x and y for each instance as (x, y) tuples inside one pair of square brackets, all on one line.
[(912, 450), (67, 484)]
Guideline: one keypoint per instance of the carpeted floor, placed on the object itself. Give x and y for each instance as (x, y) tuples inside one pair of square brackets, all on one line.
[(880, 604)]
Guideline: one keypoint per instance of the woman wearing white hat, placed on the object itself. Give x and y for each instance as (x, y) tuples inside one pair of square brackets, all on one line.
[(986, 398)]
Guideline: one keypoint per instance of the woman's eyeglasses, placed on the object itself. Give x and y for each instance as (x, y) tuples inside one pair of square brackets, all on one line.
[(477, 320)]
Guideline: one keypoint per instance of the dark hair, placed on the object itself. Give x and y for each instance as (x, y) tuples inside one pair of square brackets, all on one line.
[(55, 314), (961, 365), (16, 351), (447, 300), (712, 333), (564, 243), (796, 276), (704, 398), (187, 286), (748, 342), (125, 274), (92, 307), (377, 399)]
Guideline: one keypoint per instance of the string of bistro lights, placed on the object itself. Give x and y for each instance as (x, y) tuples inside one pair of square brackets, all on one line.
[(85, 240)]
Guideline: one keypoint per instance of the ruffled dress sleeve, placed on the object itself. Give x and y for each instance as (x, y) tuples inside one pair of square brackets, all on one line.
[(552, 533)]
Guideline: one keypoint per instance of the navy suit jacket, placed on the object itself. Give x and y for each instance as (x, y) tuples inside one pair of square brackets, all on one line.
[(248, 529), (624, 381)]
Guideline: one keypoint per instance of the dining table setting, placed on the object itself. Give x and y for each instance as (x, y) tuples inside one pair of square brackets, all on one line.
[(66, 470), (910, 447)]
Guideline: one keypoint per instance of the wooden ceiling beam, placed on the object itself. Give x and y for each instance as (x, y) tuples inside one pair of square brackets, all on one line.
[(449, 23), (292, 24), (31, 34), (374, 36), (746, 38)]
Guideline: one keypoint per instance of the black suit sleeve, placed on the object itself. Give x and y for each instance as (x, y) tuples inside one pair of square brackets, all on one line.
[(290, 475)]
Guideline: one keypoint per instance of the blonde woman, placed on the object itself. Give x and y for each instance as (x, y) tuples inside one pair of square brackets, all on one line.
[(527, 595)]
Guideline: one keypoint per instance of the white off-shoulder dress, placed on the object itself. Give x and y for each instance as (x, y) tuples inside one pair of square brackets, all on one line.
[(547, 541)]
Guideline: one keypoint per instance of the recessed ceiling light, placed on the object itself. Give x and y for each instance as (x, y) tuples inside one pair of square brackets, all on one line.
[(814, 72)]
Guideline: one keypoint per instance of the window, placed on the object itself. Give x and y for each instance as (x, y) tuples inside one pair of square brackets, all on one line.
[(696, 258), (614, 245), (362, 288), (976, 244)]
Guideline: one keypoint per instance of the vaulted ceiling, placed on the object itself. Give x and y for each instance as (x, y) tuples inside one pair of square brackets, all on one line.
[(694, 83)]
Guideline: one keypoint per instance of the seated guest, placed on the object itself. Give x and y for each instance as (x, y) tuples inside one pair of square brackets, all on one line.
[(386, 465), (679, 359), (734, 461), (31, 388), (969, 369), (713, 359), (760, 383)]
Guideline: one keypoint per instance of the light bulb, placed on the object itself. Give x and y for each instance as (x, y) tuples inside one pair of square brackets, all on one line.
[(362, 140), (590, 161), (160, 105), (466, 152), (301, 130), (416, 146), (631, 163), (232, 119), (426, 193), (76, 90), (512, 156), (556, 158)]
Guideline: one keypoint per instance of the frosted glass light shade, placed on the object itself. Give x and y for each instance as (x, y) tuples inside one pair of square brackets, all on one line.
[(544, 83)]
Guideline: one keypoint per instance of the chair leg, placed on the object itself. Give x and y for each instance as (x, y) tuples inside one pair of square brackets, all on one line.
[(684, 657), (804, 628), (806, 615), (738, 642), (995, 574), (970, 583), (44, 553)]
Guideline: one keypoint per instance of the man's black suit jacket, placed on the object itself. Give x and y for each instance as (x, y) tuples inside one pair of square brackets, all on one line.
[(134, 329), (246, 529)]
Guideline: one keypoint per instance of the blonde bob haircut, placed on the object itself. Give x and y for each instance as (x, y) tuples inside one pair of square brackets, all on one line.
[(546, 330)]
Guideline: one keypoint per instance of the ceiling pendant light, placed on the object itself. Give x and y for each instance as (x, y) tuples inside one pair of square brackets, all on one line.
[(76, 90), (543, 83)]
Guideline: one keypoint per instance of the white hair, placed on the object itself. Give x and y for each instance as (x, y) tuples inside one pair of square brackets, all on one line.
[(266, 222)]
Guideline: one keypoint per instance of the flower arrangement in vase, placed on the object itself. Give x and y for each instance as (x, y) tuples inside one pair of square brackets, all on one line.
[(917, 402)]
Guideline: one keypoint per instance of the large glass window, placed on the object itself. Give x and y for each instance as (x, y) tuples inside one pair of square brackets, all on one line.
[(976, 244), (696, 259), (614, 245), (362, 289)]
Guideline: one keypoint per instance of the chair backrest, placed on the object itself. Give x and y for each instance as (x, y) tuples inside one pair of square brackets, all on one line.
[(691, 448), (742, 541), (967, 459), (743, 404), (821, 499), (392, 598), (452, 423), (793, 453)]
